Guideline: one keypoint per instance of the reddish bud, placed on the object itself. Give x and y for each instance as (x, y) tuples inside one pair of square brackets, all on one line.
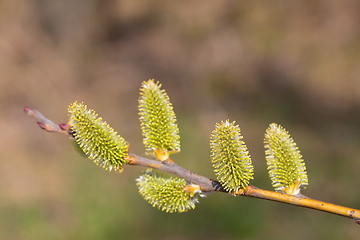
[(64, 126), (27, 109), (41, 125)]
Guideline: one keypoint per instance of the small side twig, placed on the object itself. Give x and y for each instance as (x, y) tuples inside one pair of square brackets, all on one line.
[(47, 124)]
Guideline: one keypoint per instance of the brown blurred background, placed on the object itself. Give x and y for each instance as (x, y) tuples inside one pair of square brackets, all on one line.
[(295, 63)]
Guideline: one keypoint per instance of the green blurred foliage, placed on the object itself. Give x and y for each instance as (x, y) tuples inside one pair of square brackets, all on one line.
[(255, 62)]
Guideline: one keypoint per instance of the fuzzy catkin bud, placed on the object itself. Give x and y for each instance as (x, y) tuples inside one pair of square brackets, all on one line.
[(97, 139), (230, 158), (286, 167), (158, 121), (169, 194)]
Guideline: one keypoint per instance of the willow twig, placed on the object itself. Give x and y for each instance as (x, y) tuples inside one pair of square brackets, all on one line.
[(169, 166), (207, 184), (47, 124)]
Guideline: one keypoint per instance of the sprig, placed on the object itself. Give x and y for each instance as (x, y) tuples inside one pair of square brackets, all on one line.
[(97, 139)]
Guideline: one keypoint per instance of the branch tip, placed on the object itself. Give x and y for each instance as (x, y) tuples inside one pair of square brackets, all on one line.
[(27, 109)]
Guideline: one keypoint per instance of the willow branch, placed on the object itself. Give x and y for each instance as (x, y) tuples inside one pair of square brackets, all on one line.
[(207, 184), (169, 166)]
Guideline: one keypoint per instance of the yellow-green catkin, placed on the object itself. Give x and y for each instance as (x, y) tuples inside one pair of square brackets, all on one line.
[(230, 158), (169, 194), (286, 167), (97, 139), (158, 121)]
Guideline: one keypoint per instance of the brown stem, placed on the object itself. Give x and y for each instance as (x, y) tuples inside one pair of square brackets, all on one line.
[(169, 166)]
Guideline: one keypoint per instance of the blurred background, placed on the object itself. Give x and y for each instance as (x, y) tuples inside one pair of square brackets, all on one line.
[(295, 63)]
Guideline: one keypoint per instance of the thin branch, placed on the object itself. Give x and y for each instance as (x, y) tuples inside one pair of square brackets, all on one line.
[(46, 124), (207, 184), (169, 166)]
